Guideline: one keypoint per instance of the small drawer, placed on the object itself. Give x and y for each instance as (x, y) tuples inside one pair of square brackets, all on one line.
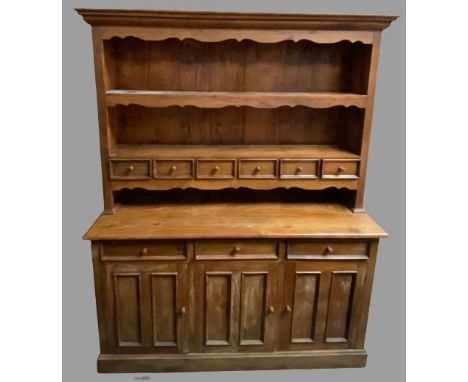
[(326, 250), (299, 168), (236, 249), (130, 169), (257, 168), (340, 168), (173, 169), (118, 250), (216, 169)]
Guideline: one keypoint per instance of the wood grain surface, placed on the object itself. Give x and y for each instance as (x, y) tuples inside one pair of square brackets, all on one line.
[(254, 220)]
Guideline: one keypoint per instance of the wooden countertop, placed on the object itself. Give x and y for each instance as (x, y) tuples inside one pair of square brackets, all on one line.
[(239, 220)]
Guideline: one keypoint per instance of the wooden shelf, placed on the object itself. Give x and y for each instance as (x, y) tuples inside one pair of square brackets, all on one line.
[(231, 151), (223, 99), (242, 220)]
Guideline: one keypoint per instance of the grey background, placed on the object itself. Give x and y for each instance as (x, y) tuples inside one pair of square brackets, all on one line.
[(385, 197)]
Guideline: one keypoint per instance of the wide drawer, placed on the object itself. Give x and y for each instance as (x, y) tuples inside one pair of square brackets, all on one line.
[(236, 249), (257, 168), (173, 169), (216, 169), (299, 168), (117, 250), (340, 169), (130, 169), (326, 250)]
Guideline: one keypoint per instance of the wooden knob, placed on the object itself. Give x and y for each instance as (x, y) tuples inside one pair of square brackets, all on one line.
[(173, 169), (271, 309), (215, 168), (329, 249), (299, 169), (144, 251), (235, 250), (130, 168), (340, 169), (257, 169), (183, 311), (288, 308)]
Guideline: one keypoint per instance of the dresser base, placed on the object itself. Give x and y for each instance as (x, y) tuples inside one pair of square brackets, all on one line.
[(152, 363)]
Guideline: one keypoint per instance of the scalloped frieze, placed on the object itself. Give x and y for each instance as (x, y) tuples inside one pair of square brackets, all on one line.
[(219, 35), (236, 99), (207, 184)]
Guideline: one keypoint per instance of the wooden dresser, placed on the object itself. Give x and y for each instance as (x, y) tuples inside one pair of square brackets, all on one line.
[(234, 153)]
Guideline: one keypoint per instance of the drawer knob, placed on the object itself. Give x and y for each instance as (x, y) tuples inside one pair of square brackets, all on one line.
[(144, 251), (288, 308), (340, 169), (257, 169), (299, 169), (271, 309), (183, 311), (329, 249), (173, 169), (130, 168), (235, 250), (215, 169)]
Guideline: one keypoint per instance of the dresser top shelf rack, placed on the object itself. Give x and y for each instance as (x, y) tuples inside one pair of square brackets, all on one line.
[(214, 100)]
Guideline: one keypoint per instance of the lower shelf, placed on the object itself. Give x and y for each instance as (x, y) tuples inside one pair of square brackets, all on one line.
[(145, 363)]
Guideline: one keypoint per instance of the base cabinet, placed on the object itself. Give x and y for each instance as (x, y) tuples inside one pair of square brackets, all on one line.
[(161, 309)]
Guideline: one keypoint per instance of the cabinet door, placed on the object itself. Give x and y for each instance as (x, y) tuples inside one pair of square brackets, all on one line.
[(321, 304), (235, 303), (147, 305)]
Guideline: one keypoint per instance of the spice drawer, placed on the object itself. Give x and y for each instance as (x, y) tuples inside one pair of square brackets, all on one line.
[(173, 169), (340, 169), (326, 250), (130, 169), (236, 249), (299, 168), (118, 250), (216, 169), (257, 168)]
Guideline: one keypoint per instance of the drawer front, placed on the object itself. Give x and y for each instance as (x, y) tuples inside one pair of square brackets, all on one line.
[(216, 169), (117, 250), (340, 169), (173, 169), (299, 168), (130, 169), (257, 168), (236, 249), (326, 250)]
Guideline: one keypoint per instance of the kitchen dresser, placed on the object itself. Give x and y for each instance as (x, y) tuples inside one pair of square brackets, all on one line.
[(233, 152)]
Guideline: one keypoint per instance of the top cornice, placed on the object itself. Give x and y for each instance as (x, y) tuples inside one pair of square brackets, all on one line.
[(150, 18)]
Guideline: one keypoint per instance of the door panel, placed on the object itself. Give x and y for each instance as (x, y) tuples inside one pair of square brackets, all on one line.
[(164, 309), (304, 310), (253, 308), (127, 292), (218, 307), (340, 303)]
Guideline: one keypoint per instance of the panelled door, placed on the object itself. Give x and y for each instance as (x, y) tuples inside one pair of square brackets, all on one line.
[(235, 304), (147, 306), (321, 304)]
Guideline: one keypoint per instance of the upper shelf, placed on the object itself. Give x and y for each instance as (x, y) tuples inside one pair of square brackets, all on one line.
[(232, 151), (223, 99)]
